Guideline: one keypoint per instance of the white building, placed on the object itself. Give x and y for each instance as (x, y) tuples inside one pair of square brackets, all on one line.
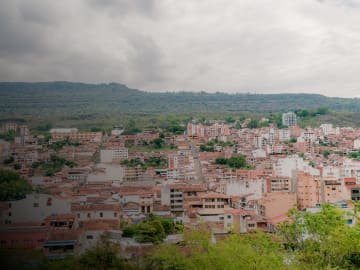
[(351, 168), (111, 155), (117, 131), (241, 187), (63, 130), (357, 144), (327, 129), (289, 119), (36, 207), (107, 173), (284, 135), (331, 171), (285, 167)]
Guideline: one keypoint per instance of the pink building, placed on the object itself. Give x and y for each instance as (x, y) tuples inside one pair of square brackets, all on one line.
[(308, 190)]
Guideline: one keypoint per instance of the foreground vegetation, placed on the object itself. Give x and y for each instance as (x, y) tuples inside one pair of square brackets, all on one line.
[(321, 240)]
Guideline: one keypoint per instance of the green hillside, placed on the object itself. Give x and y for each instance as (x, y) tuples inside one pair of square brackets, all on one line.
[(96, 103)]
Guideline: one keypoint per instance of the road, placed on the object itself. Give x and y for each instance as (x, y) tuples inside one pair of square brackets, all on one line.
[(200, 179)]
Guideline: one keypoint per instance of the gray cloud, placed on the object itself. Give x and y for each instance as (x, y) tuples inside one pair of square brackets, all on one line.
[(250, 45)]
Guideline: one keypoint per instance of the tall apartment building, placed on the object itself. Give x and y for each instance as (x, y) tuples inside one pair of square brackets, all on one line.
[(289, 119)]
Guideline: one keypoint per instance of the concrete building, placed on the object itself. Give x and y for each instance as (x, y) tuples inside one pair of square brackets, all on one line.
[(114, 155), (36, 208), (308, 190), (289, 119)]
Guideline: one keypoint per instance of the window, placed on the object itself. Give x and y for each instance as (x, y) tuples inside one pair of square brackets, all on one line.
[(101, 214), (115, 214), (9, 214), (89, 237), (89, 215), (49, 201), (251, 225)]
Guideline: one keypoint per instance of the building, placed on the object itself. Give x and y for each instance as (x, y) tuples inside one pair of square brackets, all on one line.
[(279, 184), (308, 190), (117, 131), (289, 119), (112, 155), (36, 208)]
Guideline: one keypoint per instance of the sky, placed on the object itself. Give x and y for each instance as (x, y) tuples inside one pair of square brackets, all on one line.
[(256, 46)]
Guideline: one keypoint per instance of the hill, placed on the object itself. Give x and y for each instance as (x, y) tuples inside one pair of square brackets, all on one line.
[(88, 102)]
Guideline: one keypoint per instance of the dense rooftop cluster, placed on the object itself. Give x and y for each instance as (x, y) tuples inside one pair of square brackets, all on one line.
[(230, 178)]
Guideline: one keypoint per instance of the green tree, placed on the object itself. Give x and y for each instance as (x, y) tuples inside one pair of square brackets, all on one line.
[(9, 160), (221, 161), (253, 124), (13, 186), (158, 142), (252, 251), (326, 154), (8, 136), (105, 255), (321, 240)]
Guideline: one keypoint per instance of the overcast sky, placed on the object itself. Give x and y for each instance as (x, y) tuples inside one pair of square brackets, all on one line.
[(257, 46)]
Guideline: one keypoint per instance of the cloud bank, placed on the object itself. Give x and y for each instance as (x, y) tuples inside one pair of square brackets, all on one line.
[(260, 46)]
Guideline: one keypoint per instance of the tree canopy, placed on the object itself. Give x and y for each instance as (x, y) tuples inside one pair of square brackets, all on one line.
[(13, 186)]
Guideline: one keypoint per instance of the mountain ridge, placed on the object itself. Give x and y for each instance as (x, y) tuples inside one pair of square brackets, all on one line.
[(58, 96)]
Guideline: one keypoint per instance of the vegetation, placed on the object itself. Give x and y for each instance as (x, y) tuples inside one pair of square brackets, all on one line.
[(153, 162), (303, 113), (13, 186), (105, 255), (8, 136), (235, 162), (252, 251), (307, 241), (64, 104), (9, 160), (60, 144), (355, 155), (326, 154), (322, 240), (153, 229), (175, 129), (210, 146), (54, 165)]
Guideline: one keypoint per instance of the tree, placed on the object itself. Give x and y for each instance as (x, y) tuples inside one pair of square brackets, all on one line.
[(229, 120), (8, 136), (9, 160), (221, 161), (153, 229), (326, 154), (13, 186), (158, 142), (321, 240), (252, 251), (236, 162), (253, 124), (105, 255)]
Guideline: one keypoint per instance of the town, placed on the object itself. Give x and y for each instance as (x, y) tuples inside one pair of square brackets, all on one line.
[(226, 175)]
